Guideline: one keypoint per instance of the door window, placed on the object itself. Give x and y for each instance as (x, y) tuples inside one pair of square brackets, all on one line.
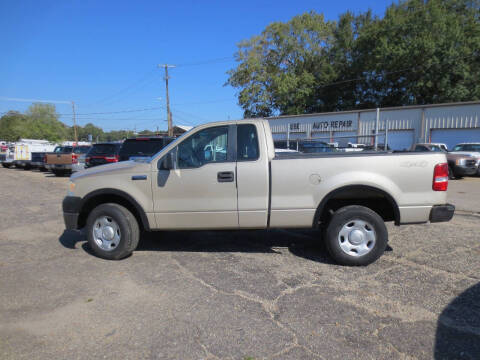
[(247, 143), (206, 146)]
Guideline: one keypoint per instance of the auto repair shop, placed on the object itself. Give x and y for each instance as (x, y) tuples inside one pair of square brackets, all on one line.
[(451, 123)]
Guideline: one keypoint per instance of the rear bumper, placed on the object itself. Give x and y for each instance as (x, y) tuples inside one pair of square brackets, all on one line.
[(441, 213), (71, 211)]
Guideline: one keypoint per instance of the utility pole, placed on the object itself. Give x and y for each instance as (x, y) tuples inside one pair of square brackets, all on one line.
[(169, 113), (74, 123)]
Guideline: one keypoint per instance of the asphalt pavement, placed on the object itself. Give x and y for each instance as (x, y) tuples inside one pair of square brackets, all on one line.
[(232, 295)]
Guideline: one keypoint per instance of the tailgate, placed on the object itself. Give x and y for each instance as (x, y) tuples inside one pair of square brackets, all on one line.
[(59, 159)]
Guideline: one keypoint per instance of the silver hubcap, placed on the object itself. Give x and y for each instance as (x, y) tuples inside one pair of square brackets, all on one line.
[(106, 233), (357, 238)]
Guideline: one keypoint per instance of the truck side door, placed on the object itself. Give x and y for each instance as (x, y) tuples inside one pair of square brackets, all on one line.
[(252, 176), (198, 188)]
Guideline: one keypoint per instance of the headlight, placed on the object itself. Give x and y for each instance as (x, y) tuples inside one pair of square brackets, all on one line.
[(71, 188)]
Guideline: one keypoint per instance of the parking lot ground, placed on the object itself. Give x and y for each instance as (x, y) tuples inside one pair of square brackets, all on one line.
[(230, 295), (465, 194)]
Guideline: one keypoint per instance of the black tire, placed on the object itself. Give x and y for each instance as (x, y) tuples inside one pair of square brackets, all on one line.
[(58, 173), (350, 214), (6, 165), (129, 230), (451, 175)]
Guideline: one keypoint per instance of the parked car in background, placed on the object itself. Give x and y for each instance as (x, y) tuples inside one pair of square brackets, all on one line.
[(7, 155), (459, 165), (305, 146), (441, 146), (380, 147), (142, 147), (315, 146), (66, 159), (103, 153), (472, 149), (24, 149), (38, 160), (185, 187)]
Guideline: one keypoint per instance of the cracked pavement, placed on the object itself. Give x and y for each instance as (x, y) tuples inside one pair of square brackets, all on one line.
[(231, 295)]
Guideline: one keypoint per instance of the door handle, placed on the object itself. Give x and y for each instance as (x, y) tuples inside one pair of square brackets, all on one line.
[(225, 176), (139, 177)]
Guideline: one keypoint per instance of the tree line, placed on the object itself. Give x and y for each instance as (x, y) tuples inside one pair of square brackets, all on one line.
[(418, 52), (41, 121)]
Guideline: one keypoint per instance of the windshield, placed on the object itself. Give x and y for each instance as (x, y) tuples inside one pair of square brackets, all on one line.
[(81, 149), (102, 149), (63, 149), (467, 147), (436, 148), (174, 141)]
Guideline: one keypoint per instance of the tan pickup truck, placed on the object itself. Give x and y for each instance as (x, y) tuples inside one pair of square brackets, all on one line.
[(66, 159), (226, 175)]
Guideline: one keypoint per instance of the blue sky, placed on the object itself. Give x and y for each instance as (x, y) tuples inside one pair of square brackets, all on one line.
[(104, 55)]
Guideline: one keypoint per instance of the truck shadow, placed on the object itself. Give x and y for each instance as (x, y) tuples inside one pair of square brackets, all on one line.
[(458, 327), (303, 243)]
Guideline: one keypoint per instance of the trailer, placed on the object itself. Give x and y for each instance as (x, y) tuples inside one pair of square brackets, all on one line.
[(24, 148)]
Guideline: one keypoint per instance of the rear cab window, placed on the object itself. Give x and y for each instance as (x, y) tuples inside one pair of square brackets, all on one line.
[(247, 143), (104, 149)]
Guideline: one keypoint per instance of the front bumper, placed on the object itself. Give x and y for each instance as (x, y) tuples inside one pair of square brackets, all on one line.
[(441, 213), (71, 211), (66, 167), (462, 170)]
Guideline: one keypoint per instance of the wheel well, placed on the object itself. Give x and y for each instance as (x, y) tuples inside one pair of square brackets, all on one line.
[(104, 198), (375, 199)]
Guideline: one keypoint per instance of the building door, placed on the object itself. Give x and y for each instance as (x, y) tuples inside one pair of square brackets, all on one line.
[(452, 137), (400, 139)]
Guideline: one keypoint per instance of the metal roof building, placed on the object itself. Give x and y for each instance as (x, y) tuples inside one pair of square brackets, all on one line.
[(450, 123)]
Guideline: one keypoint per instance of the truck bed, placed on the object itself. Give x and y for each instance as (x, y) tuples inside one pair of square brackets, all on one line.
[(406, 176)]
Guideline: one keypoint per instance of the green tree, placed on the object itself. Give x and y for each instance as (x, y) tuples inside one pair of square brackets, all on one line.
[(419, 52), (13, 126), (43, 123)]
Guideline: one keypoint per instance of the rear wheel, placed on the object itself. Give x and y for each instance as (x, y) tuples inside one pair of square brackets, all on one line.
[(6, 165), (113, 231), (356, 235)]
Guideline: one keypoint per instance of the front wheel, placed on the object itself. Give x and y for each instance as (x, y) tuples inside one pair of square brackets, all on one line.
[(451, 174), (5, 165), (113, 231), (356, 235)]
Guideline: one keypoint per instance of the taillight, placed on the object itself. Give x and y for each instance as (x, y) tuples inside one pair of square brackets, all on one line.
[(74, 159), (45, 159), (111, 159), (440, 177), (87, 160)]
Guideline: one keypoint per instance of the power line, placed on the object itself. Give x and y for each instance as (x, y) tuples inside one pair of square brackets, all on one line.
[(118, 112), (207, 62), (125, 89), (4, 98)]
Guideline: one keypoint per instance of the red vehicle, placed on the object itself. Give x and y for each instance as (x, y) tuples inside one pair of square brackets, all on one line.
[(104, 153)]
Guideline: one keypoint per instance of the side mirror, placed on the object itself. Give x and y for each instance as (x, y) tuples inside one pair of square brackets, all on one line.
[(167, 162)]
